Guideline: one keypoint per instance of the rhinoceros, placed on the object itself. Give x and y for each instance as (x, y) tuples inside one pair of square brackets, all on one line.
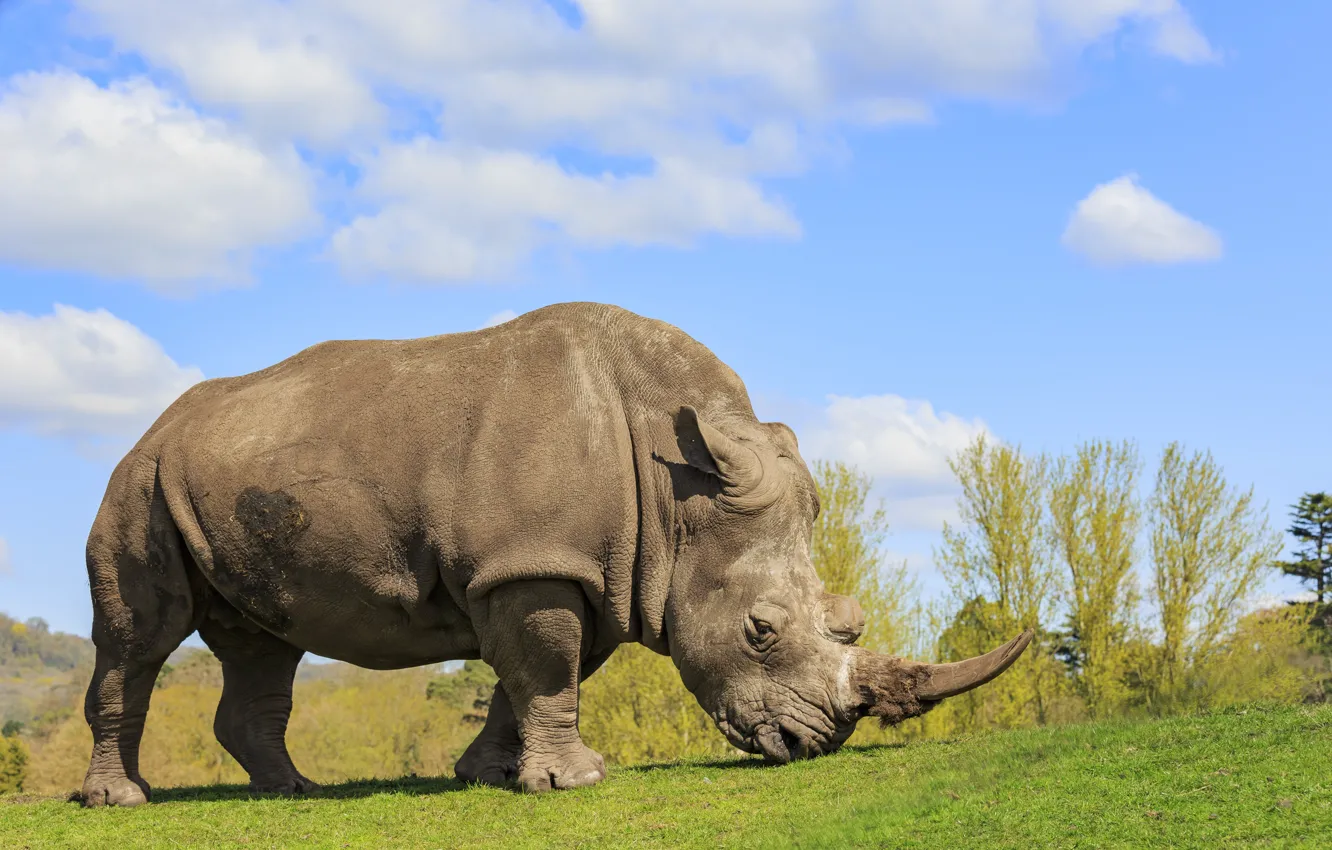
[(534, 495)]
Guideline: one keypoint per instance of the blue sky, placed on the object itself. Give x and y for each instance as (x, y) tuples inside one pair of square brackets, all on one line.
[(900, 222)]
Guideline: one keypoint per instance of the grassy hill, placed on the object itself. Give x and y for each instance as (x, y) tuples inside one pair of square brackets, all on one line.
[(1256, 776)]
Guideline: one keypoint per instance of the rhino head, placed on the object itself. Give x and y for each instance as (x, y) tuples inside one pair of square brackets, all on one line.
[(770, 655)]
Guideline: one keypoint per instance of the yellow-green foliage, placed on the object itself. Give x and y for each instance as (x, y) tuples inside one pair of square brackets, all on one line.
[(366, 723), (999, 566), (1267, 658), (845, 548), (1094, 518), (635, 709), (846, 554), (1209, 546), (13, 765)]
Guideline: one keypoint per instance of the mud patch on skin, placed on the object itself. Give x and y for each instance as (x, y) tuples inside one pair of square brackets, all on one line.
[(274, 523), (275, 518)]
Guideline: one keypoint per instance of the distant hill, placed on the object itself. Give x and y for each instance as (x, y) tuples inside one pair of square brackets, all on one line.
[(31, 646), (40, 670)]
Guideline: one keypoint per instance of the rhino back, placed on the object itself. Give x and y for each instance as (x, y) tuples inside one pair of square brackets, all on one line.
[(394, 482)]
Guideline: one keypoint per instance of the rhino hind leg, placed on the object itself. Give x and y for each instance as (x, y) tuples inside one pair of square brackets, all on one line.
[(258, 670), (143, 608), (535, 639), (492, 757)]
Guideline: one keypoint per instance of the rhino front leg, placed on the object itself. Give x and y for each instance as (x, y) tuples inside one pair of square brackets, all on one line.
[(535, 640), (492, 757)]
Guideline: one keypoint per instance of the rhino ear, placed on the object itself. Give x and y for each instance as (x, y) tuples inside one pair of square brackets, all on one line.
[(709, 450), (785, 437)]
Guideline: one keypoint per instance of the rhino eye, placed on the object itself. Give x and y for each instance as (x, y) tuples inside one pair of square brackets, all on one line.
[(760, 633)]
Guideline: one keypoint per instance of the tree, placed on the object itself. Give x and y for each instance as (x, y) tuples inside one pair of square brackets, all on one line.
[(1094, 519), (1209, 544), (999, 562), (469, 690), (1311, 525), (1265, 658), (845, 549), (13, 764)]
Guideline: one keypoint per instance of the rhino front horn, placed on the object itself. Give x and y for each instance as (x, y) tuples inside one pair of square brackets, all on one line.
[(946, 680), (894, 689)]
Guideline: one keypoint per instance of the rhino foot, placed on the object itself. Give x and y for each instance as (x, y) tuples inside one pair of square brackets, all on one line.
[(566, 769), (115, 791), (287, 787), (488, 763)]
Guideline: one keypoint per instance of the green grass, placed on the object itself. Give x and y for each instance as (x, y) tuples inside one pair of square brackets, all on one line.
[(1259, 776)]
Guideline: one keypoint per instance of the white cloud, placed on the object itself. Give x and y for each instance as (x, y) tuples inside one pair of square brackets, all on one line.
[(124, 182), (518, 202), (1177, 38), (84, 374), (5, 565), (1121, 222), (658, 62), (893, 437), (905, 445), (705, 97), (1169, 28), (266, 60), (500, 318)]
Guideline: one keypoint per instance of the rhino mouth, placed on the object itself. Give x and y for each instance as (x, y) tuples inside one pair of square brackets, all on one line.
[(783, 739)]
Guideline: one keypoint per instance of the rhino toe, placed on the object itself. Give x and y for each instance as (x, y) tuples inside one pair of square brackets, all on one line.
[(566, 770), (115, 791), (287, 786)]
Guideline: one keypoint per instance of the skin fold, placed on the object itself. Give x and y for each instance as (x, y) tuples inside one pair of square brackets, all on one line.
[(534, 495)]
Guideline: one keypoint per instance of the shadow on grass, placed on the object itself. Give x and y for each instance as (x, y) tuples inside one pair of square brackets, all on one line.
[(408, 785), (430, 785), (726, 764), (875, 748), (412, 785), (749, 762)]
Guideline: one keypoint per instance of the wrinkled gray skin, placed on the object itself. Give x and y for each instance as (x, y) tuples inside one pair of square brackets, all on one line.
[(533, 495)]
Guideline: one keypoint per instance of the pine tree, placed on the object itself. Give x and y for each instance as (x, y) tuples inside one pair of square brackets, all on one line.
[(13, 764), (1311, 525)]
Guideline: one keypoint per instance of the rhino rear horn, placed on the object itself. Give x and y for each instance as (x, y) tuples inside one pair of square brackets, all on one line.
[(842, 619)]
